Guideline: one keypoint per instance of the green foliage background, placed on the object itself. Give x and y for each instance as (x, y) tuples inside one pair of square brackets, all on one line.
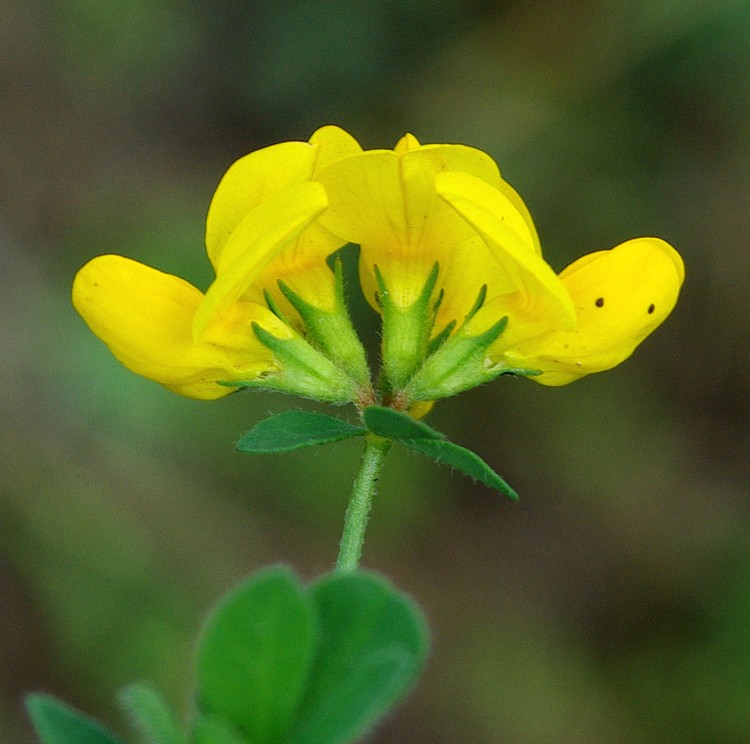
[(612, 604)]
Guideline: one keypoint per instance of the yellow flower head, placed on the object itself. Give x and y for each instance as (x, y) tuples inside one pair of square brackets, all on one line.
[(448, 255), (590, 317), (443, 236), (261, 229)]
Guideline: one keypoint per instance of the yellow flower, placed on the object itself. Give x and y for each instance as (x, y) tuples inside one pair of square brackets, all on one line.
[(233, 229), (261, 228), (618, 296), (448, 255), (146, 319), (451, 258)]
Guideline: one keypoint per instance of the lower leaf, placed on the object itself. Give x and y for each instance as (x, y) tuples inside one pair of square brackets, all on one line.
[(58, 723), (373, 644), (151, 715)]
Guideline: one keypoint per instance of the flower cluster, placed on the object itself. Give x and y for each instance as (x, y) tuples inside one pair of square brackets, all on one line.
[(449, 257)]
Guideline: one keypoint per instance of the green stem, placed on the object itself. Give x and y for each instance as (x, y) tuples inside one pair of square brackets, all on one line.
[(358, 511)]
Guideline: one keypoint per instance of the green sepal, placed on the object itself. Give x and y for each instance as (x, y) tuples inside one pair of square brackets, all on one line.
[(58, 723), (275, 309), (256, 653), (406, 331), (416, 435), (459, 364), (331, 331), (291, 430), (440, 339), (373, 644), (303, 371), (437, 341), (150, 715)]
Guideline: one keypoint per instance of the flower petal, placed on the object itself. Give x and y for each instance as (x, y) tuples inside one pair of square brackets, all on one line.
[(621, 296), (520, 283), (332, 143), (406, 143), (302, 264), (260, 237), (249, 181), (386, 202), (145, 317)]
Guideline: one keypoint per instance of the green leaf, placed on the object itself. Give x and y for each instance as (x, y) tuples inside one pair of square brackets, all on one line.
[(461, 459), (58, 723), (150, 715), (294, 429), (399, 426), (373, 645), (256, 653), (215, 730), (392, 424)]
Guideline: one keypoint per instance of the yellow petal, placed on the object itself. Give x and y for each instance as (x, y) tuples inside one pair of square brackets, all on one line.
[(406, 143), (369, 206), (302, 264), (263, 174), (249, 181), (477, 163), (312, 280), (363, 207), (386, 202), (332, 143), (621, 296), (145, 317), (255, 242), (520, 283), (421, 408)]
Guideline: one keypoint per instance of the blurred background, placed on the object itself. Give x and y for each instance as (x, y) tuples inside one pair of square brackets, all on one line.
[(612, 604)]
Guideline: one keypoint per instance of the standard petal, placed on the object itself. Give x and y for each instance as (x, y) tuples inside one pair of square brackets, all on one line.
[(406, 143), (621, 296), (520, 283), (251, 180), (366, 200), (302, 264), (145, 317), (386, 202), (262, 174), (255, 242), (332, 143)]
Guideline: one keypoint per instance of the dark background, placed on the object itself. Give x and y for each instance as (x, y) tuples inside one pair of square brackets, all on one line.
[(612, 604)]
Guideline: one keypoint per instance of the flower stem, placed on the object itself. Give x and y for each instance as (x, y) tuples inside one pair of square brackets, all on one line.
[(358, 511)]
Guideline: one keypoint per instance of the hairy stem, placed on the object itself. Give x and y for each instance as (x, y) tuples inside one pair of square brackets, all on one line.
[(358, 511)]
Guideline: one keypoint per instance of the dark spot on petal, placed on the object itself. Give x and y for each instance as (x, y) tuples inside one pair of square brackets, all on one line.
[(651, 308), (599, 302)]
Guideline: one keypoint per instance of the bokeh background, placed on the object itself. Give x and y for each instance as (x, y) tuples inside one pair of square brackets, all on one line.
[(612, 604)]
